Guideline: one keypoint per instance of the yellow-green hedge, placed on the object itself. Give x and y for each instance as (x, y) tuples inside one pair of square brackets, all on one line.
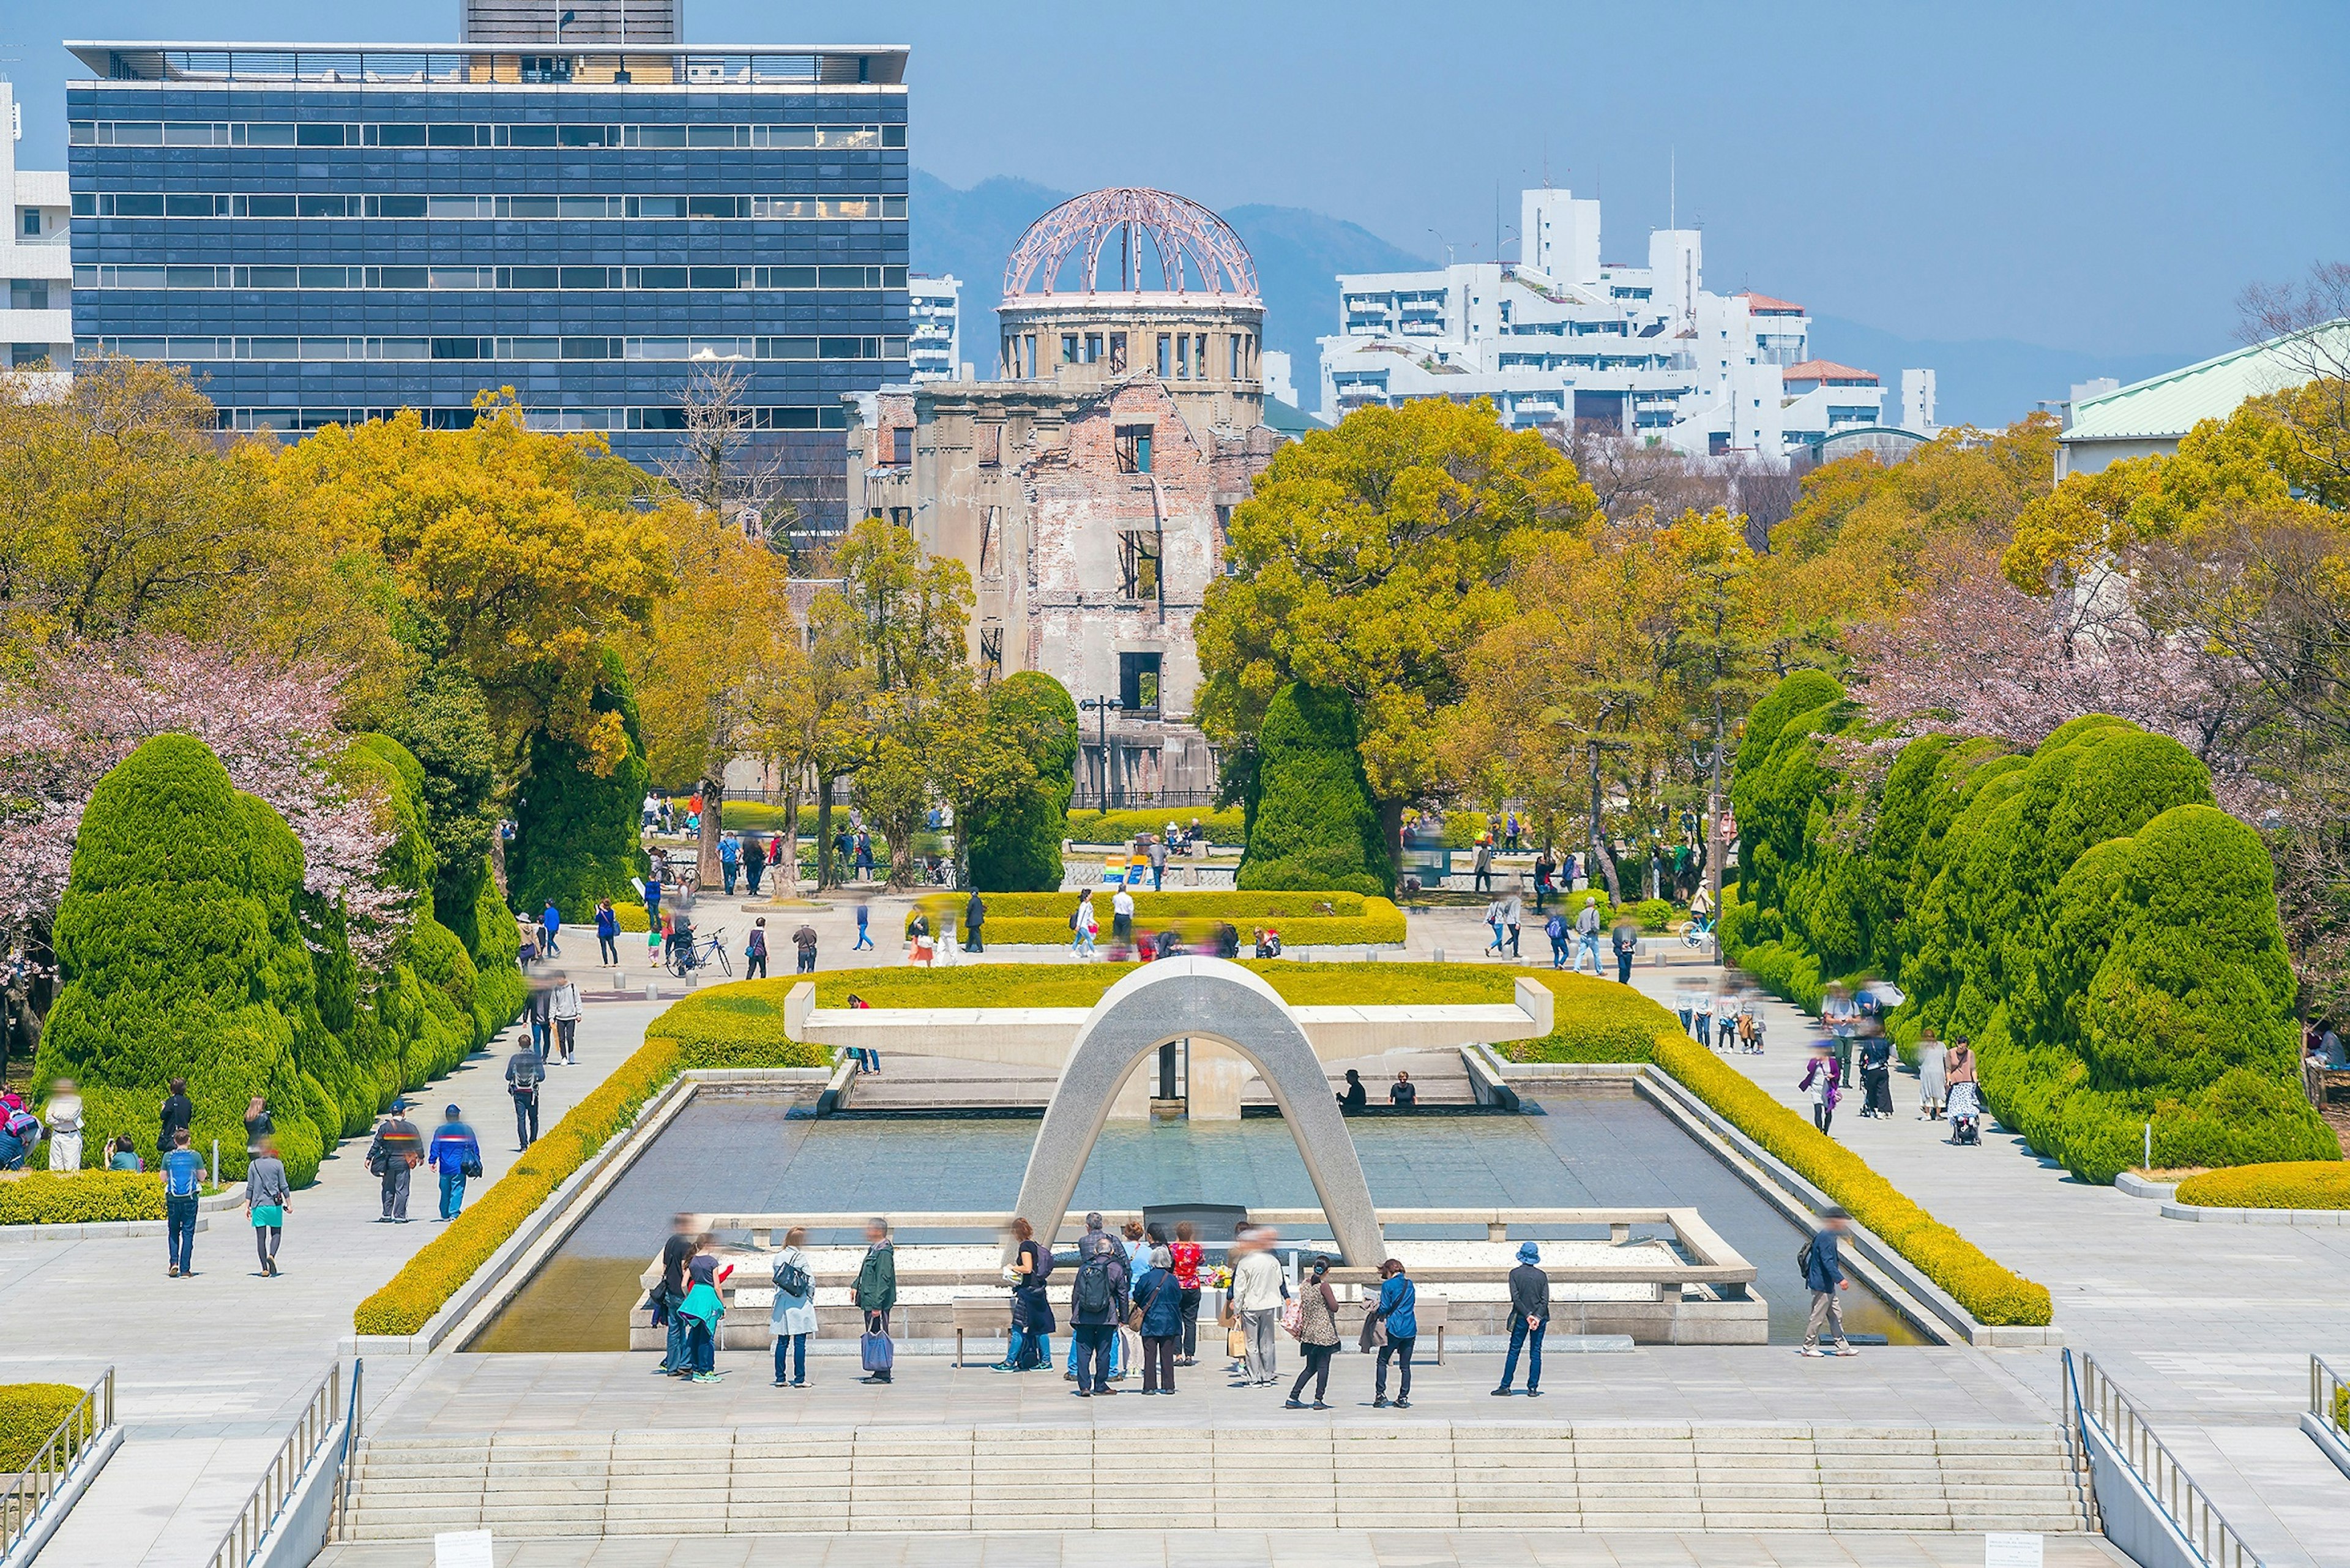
[(84, 1198), (1304, 919), (409, 1298), (1994, 1294), (2288, 1184), (1124, 827), (29, 1412)]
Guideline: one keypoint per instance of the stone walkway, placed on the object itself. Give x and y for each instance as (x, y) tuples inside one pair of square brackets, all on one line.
[(1304, 1548)]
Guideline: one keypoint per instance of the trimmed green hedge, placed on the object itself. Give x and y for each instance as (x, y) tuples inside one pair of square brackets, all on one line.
[(29, 1412), (2297, 1184), (1304, 919), (1313, 822), (1224, 827), (84, 1197), (2105, 937), (723, 1027), (1015, 844)]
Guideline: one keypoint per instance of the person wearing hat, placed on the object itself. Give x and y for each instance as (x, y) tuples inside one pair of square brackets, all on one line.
[(456, 1155), (392, 1154), (1529, 1315), (1823, 1273)]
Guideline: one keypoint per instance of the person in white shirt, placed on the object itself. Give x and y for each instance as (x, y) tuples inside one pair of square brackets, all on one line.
[(1258, 1290), (565, 1005), (1121, 916)]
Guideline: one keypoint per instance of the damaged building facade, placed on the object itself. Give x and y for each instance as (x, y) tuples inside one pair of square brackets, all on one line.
[(1088, 490)]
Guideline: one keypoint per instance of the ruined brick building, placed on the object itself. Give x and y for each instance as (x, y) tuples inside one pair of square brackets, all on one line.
[(1088, 490)]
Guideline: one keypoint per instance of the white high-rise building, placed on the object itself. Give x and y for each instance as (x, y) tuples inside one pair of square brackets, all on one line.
[(35, 261), (934, 319), (1564, 335)]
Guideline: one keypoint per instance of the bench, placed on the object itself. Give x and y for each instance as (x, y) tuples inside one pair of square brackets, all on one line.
[(988, 1315)]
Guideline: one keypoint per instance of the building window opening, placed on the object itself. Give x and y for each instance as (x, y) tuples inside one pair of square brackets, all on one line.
[(1093, 348), (991, 544), (1240, 357), (32, 222), (990, 651), (902, 516), (1133, 442), (1068, 349), (1028, 345), (28, 294), (1166, 357), (1116, 351), (1138, 566), (901, 444), (1200, 353), (1183, 356), (1138, 683)]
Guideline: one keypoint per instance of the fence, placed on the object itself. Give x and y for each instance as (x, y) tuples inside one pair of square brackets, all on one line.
[(2329, 1397), (1094, 799), (31, 1486), (263, 1509), (2203, 1528)]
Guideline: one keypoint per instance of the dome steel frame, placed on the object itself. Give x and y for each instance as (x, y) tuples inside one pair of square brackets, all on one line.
[(1199, 254)]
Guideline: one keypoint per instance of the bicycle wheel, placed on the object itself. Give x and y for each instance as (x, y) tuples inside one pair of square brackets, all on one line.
[(725, 964)]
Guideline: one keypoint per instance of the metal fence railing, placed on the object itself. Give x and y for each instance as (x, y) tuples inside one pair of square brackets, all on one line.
[(2203, 1527), (2329, 1395), (267, 1503), (30, 1488)]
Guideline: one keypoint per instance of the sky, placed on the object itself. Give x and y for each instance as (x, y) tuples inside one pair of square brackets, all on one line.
[(2104, 178)]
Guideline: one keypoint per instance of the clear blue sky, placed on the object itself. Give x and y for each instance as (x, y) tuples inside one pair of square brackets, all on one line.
[(2097, 177)]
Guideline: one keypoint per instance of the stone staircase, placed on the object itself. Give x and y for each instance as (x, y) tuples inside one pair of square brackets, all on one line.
[(1416, 1475)]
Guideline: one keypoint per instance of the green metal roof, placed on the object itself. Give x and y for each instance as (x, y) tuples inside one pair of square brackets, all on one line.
[(2168, 405), (1288, 418)]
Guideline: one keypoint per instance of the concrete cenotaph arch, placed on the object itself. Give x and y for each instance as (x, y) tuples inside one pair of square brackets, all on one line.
[(1199, 998)]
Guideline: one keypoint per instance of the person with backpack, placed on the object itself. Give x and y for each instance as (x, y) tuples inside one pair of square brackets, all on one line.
[(1822, 1263), (1030, 1342), (179, 1114), (563, 1003), (526, 1070), (607, 933), (1083, 925), (1098, 1304), (183, 1175), (1158, 1316), (793, 1318), (1587, 937), (1555, 930), (456, 1154), (20, 1130), (392, 1154), (1095, 1239), (730, 862), (804, 945), (876, 1293)]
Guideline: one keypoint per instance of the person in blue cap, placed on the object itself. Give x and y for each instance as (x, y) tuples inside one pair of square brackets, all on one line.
[(1529, 1315)]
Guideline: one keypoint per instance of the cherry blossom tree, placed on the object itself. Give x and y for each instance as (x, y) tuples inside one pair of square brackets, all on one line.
[(74, 714)]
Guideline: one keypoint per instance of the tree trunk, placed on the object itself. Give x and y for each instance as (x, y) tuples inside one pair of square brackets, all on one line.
[(1391, 829), (708, 870), (823, 831), (1599, 850), (786, 871)]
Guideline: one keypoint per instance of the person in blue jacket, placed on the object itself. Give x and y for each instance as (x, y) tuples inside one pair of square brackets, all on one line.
[(550, 927), (1824, 1272), (607, 933), (730, 861), (456, 1154), (1395, 1309), (1162, 1301)]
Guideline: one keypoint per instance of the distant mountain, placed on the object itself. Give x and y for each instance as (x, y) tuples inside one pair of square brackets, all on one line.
[(1299, 254), (1986, 381)]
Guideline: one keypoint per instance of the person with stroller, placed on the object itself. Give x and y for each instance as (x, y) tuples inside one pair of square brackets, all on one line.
[(1964, 1105)]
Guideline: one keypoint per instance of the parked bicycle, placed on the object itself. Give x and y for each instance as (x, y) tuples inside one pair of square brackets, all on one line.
[(700, 952)]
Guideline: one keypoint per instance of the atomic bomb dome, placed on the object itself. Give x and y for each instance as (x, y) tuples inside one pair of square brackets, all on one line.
[(1192, 251)]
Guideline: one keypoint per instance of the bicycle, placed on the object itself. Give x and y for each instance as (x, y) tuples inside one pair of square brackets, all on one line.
[(1699, 932), (686, 957)]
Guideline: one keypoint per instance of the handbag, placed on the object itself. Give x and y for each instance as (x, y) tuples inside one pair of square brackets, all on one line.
[(876, 1351), (472, 1170), (1293, 1317), (1236, 1345), (1375, 1331)]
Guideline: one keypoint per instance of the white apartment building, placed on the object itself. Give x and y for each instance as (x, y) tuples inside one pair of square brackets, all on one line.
[(35, 261), (1562, 335), (934, 319)]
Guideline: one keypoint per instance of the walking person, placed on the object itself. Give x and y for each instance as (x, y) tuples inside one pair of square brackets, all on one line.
[(179, 1114), (1529, 1314), (755, 862), (1933, 1080), (1098, 1303), (540, 1010), (1394, 1308), (1318, 1337), (1258, 1290), (1587, 937), (1823, 1274), (876, 1293), (1083, 925), (1030, 1342), (864, 856), (864, 918), (974, 924), (1513, 916), (267, 1197), (1625, 939), (1157, 1317), (565, 1005), (1493, 924), (1185, 1257), (1121, 921), (1157, 880), (607, 933), (183, 1175), (754, 950), (393, 1155), (653, 895), (1824, 1079), (804, 945), (1480, 880), (63, 1117), (1555, 930), (456, 1154), (730, 862), (1545, 869), (525, 1071), (550, 927), (793, 1321), (1877, 1072)]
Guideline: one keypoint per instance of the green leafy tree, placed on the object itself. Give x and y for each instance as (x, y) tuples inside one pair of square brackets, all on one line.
[(1012, 811), (576, 829), (1313, 824)]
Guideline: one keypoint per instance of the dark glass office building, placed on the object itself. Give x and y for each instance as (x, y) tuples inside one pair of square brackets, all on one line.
[(328, 234)]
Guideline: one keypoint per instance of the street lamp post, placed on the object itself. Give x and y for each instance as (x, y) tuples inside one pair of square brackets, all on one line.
[(1710, 758), (1105, 707)]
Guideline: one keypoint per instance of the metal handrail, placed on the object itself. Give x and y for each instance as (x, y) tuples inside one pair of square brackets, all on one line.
[(350, 1443), (2204, 1529), (267, 1503), (2329, 1394), (30, 1489), (2077, 1439)]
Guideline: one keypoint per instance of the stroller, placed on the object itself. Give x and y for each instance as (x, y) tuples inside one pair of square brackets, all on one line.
[(1964, 1108)]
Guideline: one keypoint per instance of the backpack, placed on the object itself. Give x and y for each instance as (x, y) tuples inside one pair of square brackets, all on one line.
[(1804, 1263), (1554, 928), (1092, 1294), (528, 1074), (25, 1127), (1043, 1265), (792, 1279)]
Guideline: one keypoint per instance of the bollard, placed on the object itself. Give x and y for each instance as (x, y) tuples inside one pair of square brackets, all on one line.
[(216, 1158), (1440, 955), (617, 983), (652, 990)]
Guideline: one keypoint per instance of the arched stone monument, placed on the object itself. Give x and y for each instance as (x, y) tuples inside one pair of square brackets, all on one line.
[(1200, 997)]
